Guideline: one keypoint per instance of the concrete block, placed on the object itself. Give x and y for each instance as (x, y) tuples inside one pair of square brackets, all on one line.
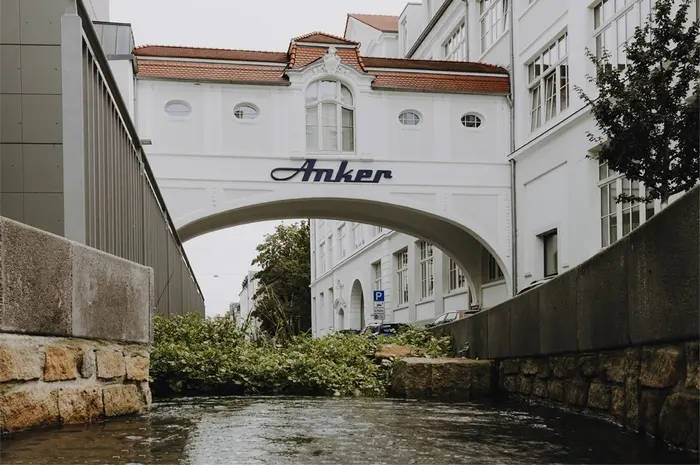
[(479, 343), (601, 299), (41, 22), (11, 82), (664, 274), (42, 119), (499, 331), (11, 168), (43, 168), (44, 211), (9, 21), (41, 69), (10, 118), (558, 315), (12, 205), (525, 324), (110, 297), (37, 280)]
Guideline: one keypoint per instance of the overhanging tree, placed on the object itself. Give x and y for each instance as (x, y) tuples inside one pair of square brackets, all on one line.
[(283, 298), (648, 111)]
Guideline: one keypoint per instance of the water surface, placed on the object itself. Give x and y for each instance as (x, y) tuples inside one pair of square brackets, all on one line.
[(310, 431)]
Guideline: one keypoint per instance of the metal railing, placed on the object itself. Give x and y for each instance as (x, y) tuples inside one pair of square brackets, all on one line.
[(111, 199)]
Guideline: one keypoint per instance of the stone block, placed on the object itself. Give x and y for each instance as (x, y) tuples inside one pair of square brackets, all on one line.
[(121, 399), (482, 378), (510, 366), (19, 362), (556, 390), (563, 367), (588, 365), (692, 378), (111, 297), (137, 367), (110, 363), (61, 363), (529, 366), (618, 405), (558, 318), (525, 324), (632, 390), (37, 280), (499, 331), (576, 392), (678, 421), (145, 389), (543, 369), (525, 385), (650, 404), (613, 366), (663, 274), (602, 310), (411, 379), (659, 367), (28, 407), (87, 366), (599, 396), (80, 405), (510, 384), (450, 381), (540, 388)]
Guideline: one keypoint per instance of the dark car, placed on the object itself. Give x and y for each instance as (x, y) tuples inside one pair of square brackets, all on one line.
[(348, 331), (384, 329)]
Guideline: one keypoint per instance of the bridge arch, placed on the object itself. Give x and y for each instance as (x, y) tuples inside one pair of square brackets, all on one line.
[(460, 238)]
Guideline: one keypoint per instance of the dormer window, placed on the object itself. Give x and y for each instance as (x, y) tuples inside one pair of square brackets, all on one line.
[(330, 117)]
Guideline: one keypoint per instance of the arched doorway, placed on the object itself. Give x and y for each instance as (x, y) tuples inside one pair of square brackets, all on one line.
[(341, 320), (357, 306)]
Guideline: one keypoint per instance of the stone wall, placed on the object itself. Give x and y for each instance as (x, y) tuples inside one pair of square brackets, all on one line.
[(650, 389), (636, 302), (47, 380), (75, 331)]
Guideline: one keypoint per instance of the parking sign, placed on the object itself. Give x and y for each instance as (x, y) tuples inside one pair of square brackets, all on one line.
[(378, 296)]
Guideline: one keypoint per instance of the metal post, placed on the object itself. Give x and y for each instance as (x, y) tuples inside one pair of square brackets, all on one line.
[(74, 199)]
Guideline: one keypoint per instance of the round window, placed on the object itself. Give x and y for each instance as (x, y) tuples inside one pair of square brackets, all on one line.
[(178, 108), (245, 111), (409, 118), (470, 120)]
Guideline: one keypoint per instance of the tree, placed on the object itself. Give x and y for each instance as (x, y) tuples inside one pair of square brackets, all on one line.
[(648, 124), (283, 298)]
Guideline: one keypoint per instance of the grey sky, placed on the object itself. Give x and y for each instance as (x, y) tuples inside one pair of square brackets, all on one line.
[(237, 24)]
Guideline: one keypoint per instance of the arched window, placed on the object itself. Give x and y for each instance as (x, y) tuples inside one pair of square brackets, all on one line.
[(471, 120), (330, 117), (178, 108)]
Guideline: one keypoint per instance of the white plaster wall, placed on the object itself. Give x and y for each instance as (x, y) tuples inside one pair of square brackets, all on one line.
[(432, 45), (98, 9), (123, 71), (364, 34), (415, 22)]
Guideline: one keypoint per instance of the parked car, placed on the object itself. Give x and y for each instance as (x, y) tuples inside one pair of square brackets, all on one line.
[(384, 329), (348, 331), (535, 283), (449, 317)]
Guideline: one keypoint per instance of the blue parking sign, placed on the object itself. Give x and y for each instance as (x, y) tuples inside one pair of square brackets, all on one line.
[(379, 296)]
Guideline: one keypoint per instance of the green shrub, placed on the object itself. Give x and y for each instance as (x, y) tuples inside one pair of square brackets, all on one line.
[(194, 356)]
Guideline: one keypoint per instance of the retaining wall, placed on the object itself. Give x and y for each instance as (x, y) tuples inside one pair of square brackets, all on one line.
[(616, 335), (75, 331)]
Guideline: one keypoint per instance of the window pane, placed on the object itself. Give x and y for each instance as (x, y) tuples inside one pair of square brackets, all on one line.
[(613, 197), (329, 114), (597, 16), (564, 86), (613, 228), (312, 128), (626, 222), (348, 140), (604, 201), (329, 90), (346, 95), (635, 217), (602, 171), (329, 138), (610, 45), (604, 231), (550, 255), (347, 118), (312, 92), (650, 209)]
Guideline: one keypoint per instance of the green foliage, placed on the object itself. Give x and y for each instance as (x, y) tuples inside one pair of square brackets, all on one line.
[(649, 127), (283, 299), (193, 356)]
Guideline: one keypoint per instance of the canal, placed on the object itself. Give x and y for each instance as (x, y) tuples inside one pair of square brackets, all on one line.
[(308, 431)]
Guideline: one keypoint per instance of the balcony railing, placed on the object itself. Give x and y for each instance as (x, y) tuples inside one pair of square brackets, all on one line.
[(111, 199)]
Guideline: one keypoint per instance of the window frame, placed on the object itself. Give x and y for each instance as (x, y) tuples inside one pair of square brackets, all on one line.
[(405, 124), (358, 238), (478, 118), (322, 257), (545, 236), (237, 107), (318, 105), (493, 270), (377, 276), (599, 30), (426, 261), (454, 49), (457, 279), (178, 116), (402, 284), (537, 83), (490, 13)]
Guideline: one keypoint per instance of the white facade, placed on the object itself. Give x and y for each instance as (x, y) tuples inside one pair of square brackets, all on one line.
[(246, 298)]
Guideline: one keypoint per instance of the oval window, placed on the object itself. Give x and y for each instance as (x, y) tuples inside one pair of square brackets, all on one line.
[(470, 120), (178, 108), (409, 118), (245, 111)]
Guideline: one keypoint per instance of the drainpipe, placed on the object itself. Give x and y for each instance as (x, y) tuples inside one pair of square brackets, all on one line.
[(467, 29), (513, 210)]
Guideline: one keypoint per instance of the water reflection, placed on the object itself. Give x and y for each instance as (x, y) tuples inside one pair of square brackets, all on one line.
[(308, 431)]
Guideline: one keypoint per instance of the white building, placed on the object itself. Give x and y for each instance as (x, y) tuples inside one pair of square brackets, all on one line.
[(246, 298), (492, 171)]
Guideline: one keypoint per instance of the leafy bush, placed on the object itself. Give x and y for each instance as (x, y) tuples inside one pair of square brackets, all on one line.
[(193, 356)]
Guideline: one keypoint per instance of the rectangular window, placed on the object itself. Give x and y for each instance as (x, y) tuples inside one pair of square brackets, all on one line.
[(377, 275), (341, 241), (457, 279), (377, 230), (455, 47), (426, 270), (548, 82), (615, 22), (493, 20), (321, 258), (331, 298), (494, 271), (402, 277), (357, 236), (331, 256), (551, 265), (619, 219)]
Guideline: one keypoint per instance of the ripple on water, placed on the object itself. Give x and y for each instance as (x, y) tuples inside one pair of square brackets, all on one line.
[(332, 431)]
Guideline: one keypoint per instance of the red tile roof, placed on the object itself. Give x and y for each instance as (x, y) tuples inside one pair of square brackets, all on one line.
[(446, 83), (301, 56), (384, 23), (209, 54), (193, 71), (324, 38), (433, 65)]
